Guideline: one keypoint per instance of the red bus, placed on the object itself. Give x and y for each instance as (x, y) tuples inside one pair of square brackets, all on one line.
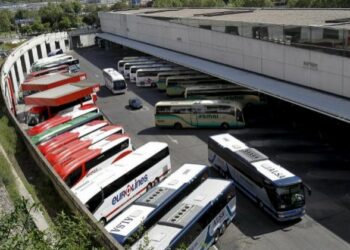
[(59, 69), (101, 154), (60, 140), (60, 154), (63, 117)]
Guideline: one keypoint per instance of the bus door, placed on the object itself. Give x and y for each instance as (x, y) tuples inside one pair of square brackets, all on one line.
[(197, 115)]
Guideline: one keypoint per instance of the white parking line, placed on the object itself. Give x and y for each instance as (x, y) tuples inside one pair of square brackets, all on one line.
[(172, 139)]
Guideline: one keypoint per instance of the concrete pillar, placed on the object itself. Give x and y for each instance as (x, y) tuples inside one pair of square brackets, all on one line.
[(20, 71), (35, 54), (43, 49), (27, 61), (52, 45), (62, 45)]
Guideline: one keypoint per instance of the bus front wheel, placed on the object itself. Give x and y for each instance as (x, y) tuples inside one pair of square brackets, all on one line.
[(103, 221), (177, 125), (225, 125)]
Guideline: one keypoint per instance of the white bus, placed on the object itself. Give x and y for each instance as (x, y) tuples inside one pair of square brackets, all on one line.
[(148, 77), (134, 69), (150, 207), (162, 77), (114, 81), (121, 63), (38, 65), (107, 191), (273, 188), (197, 221), (128, 65), (199, 114)]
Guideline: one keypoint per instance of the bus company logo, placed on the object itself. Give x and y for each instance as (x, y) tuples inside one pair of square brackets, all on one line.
[(274, 171), (129, 189), (208, 116)]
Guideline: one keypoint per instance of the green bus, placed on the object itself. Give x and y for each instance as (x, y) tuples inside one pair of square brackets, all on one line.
[(59, 129), (225, 92), (199, 114), (178, 88), (162, 77)]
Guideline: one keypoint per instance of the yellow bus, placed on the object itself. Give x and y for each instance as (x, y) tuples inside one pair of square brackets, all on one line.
[(199, 114)]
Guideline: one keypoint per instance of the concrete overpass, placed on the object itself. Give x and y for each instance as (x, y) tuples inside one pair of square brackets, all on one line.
[(317, 80)]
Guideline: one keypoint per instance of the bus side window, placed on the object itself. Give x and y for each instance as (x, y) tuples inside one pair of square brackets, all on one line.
[(73, 177), (95, 202)]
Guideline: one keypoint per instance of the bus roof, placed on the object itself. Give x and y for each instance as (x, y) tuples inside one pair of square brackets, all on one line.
[(194, 76), (73, 161), (62, 117), (157, 196), (177, 71), (64, 151), (59, 129), (228, 141), (214, 87), (161, 68), (52, 80), (69, 136), (198, 102), (62, 95), (180, 216), (114, 74), (92, 183), (41, 73), (50, 59)]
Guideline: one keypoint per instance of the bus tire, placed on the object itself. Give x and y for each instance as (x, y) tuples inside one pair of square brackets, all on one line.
[(216, 236), (225, 125), (156, 181), (178, 125), (103, 221), (222, 229)]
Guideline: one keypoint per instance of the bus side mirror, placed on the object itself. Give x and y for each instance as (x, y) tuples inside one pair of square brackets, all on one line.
[(308, 189)]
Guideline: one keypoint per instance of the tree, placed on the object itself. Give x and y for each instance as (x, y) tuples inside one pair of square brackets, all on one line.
[(120, 5), (319, 3), (65, 23), (18, 231), (5, 21)]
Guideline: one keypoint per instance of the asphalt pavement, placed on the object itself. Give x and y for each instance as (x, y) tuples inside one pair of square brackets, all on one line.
[(299, 148)]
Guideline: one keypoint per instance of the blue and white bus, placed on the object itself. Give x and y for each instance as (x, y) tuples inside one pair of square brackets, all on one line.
[(273, 188), (197, 221), (150, 207)]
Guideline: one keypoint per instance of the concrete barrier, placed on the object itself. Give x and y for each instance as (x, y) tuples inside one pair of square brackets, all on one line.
[(65, 193)]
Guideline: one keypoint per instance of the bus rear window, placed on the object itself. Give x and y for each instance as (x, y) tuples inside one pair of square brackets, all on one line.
[(120, 84)]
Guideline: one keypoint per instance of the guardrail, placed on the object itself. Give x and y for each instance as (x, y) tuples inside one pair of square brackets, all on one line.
[(65, 193)]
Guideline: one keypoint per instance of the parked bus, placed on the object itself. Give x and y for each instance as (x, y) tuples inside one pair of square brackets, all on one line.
[(150, 207), (63, 139), (73, 64), (60, 69), (128, 65), (273, 188), (62, 153), (197, 221), (224, 92), (59, 129), (121, 63), (136, 68), (199, 114), (148, 77), (177, 88), (62, 117), (39, 64), (101, 154), (114, 81), (162, 77), (107, 191)]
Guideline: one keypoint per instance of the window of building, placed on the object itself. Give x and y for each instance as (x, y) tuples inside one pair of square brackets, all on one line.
[(233, 30), (31, 59), (38, 49), (48, 48), (330, 34), (57, 44), (23, 63), (207, 27), (260, 32)]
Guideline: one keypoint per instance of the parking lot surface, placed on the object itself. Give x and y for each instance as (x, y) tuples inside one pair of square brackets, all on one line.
[(300, 148)]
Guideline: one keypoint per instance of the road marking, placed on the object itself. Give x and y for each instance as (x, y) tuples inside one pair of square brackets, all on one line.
[(215, 247), (172, 139)]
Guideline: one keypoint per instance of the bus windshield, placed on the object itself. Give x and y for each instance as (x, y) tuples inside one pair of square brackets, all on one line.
[(119, 84), (289, 197)]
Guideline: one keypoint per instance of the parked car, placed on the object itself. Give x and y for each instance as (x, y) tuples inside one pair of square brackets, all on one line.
[(135, 103)]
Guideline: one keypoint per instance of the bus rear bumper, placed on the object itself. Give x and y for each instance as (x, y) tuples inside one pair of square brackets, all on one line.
[(290, 215)]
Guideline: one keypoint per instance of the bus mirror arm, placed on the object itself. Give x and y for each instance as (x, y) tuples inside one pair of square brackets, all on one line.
[(308, 189)]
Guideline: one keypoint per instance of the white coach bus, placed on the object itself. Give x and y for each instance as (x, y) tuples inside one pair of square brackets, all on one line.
[(150, 207), (275, 189), (114, 81), (107, 191), (197, 221)]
